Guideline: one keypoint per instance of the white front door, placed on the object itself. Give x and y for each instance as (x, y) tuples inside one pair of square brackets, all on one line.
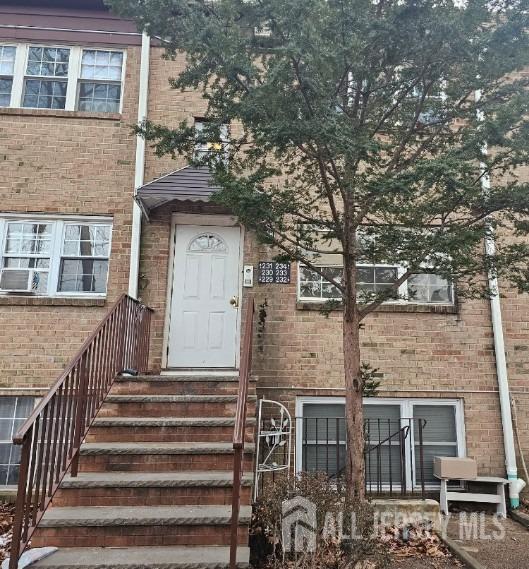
[(204, 304)]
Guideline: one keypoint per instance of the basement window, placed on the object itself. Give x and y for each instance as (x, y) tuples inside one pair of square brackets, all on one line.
[(13, 412), (321, 440)]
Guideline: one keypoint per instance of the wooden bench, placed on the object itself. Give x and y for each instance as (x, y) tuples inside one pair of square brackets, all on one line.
[(464, 496)]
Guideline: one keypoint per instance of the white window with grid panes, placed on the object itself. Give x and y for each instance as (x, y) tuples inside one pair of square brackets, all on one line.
[(371, 280), (71, 78), (13, 412), (7, 71), (54, 257), (423, 288)]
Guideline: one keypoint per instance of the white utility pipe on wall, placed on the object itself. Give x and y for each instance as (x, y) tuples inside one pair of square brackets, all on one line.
[(515, 484), (139, 170)]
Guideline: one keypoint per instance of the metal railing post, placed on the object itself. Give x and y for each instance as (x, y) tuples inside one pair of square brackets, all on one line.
[(421, 457), (238, 456), (20, 507), (80, 418), (239, 431)]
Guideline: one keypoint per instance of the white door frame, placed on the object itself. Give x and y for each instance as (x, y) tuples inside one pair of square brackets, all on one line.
[(213, 220)]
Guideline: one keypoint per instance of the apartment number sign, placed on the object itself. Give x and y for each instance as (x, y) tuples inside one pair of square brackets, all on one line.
[(272, 272)]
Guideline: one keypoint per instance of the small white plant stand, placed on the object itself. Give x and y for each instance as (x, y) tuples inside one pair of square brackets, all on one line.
[(464, 496)]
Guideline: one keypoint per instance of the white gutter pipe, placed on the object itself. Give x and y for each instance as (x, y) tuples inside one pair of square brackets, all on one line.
[(139, 169), (515, 484)]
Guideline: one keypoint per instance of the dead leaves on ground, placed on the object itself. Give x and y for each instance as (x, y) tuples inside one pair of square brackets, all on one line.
[(7, 512), (414, 541)]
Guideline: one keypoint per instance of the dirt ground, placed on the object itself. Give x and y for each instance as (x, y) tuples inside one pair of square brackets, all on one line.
[(500, 544)]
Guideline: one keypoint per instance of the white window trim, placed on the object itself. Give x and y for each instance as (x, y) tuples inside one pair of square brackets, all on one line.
[(402, 290), (11, 464), (74, 73), (406, 411), (56, 253)]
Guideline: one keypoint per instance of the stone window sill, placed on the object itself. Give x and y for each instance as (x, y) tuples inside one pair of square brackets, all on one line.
[(24, 300), (59, 113), (415, 308)]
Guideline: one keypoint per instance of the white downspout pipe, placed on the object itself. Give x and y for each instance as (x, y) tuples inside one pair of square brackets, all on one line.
[(515, 484), (139, 168)]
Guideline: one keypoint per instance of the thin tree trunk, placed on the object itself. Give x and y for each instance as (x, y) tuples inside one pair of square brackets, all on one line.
[(354, 415)]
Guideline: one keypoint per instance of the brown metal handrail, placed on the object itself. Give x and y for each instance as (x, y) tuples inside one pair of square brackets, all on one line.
[(51, 437), (240, 428)]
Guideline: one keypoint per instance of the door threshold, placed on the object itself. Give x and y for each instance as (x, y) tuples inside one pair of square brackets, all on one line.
[(216, 372)]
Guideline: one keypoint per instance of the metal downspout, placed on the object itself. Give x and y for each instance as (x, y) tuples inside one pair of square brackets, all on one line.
[(515, 484), (139, 169)]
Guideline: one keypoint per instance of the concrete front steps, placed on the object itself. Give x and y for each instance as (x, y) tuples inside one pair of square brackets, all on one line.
[(143, 558), (160, 429), (156, 457), (179, 385), (155, 483), (145, 405), (145, 488), (119, 526)]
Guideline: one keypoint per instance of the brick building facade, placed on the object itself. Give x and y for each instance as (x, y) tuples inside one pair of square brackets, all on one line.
[(75, 165)]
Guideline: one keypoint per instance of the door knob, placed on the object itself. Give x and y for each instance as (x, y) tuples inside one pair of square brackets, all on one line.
[(234, 301)]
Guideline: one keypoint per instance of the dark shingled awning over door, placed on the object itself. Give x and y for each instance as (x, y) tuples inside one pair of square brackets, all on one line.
[(190, 183)]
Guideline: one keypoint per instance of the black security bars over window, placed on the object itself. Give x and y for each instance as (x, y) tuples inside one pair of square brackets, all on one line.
[(394, 452)]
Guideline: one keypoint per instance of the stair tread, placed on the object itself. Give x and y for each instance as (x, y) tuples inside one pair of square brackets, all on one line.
[(87, 516), (167, 421), (147, 479), (121, 398), (160, 448), (184, 378), (176, 557)]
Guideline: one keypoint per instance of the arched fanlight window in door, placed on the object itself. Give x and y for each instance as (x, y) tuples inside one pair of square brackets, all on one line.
[(208, 242)]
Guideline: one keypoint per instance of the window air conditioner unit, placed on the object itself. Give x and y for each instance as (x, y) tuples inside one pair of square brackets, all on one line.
[(18, 280)]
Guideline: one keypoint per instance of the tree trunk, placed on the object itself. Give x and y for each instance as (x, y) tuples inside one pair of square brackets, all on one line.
[(354, 415)]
